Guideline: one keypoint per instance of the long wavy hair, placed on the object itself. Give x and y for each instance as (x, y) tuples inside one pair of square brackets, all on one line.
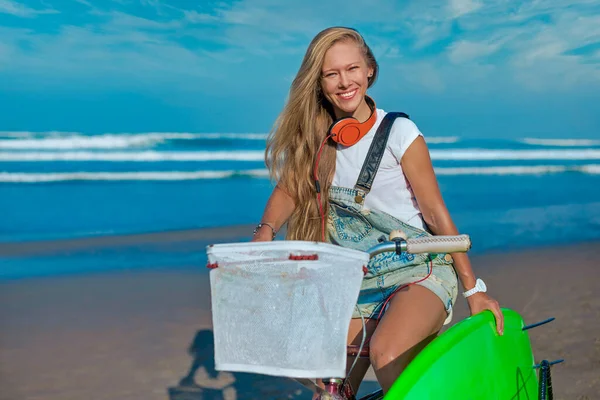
[(300, 129)]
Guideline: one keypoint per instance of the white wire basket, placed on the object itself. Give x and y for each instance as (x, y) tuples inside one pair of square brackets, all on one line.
[(283, 308)]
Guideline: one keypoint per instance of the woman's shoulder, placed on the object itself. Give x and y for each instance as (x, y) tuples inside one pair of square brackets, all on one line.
[(404, 131), (402, 126)]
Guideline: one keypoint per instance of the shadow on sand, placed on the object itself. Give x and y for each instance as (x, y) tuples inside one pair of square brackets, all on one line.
[(203, 382)]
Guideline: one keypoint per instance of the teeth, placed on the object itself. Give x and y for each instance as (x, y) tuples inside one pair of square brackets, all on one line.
[(348, 95)]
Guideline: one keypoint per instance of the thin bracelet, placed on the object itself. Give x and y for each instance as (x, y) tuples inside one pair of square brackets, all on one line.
[(260, 225)]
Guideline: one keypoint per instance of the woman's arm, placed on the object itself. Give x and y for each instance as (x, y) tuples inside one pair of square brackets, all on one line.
[(418, 169), (278, 210)]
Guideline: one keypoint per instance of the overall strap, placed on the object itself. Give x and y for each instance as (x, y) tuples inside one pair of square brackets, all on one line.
[(373, 159)]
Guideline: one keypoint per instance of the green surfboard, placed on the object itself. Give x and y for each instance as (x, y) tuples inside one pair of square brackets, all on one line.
[(471, 361)]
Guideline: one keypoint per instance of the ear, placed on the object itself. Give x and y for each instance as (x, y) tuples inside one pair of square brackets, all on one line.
[(370, 71)]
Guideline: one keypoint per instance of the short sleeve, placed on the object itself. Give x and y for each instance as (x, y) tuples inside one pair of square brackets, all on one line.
[(403, 134)]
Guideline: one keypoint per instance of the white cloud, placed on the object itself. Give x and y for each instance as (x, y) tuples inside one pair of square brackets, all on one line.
[(20, 10), (465, 51), (428, 32), (458, 8), (198, 18), (523, 41), (103, 56), (542, 59), (124, 21), (531, 43)]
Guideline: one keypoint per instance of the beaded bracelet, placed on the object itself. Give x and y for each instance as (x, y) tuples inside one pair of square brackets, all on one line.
[(260, 225)]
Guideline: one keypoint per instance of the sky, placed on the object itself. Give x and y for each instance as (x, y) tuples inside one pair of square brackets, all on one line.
[(458, 67)]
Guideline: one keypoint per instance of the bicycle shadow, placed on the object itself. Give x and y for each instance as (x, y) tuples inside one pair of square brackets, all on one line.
[(203, 382)]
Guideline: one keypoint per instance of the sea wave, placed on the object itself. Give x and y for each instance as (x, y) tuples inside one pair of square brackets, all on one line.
[(561, 142), (258, 155), (442, 139), (144, 156), (129, 176), (18, 177), (72, 140), (592, 169), (17, 134), (75, 141), (59, 140), (80, 142), (492, 155)]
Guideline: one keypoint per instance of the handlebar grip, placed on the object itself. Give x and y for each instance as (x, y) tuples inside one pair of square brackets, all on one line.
[(439, 244)]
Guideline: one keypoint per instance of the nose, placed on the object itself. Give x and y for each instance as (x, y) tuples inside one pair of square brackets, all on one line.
[(344, 80)]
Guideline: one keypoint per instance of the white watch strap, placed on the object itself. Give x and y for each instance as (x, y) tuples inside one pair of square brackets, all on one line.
[(471, 292), (479, 287)]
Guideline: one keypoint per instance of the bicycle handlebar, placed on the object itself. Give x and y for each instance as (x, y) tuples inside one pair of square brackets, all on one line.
[(427, 244)]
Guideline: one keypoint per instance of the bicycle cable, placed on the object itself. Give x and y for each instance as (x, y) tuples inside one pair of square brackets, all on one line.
[(362, 343)]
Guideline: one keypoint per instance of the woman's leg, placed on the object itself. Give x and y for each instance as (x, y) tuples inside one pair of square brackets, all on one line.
[(414, 317), (355, 336), (362, 365)]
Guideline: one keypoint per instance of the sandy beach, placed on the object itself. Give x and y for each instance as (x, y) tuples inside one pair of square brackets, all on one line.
[(137, 334)]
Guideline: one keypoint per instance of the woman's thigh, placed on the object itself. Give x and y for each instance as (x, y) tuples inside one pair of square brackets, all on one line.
[(414, 317)]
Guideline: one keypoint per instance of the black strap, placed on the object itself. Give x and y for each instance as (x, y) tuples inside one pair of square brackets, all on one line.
[(375, 154)]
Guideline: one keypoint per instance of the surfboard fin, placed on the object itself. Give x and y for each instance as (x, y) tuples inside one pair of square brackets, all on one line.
[(526, 327), (550, 363)]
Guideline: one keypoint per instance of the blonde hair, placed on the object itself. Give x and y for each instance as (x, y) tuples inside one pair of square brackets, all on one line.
[(300, 129)]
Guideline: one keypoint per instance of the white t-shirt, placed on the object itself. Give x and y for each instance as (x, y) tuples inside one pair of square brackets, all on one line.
[(391, 191)]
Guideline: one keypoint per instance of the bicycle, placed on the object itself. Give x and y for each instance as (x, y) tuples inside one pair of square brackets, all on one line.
[(335, 387)]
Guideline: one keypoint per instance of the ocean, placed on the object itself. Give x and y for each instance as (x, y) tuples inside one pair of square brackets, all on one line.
[(57, 187)]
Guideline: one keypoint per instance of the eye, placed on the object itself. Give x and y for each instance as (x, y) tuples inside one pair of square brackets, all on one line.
[(330, 75), (354, 67)]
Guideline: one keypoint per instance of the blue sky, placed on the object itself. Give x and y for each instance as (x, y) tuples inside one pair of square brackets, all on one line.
[(458, 67)]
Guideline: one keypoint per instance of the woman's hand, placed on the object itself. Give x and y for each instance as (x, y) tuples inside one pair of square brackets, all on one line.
[(480, 302)]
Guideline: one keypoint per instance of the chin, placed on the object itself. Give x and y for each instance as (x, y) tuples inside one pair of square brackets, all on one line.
[(349, 107)]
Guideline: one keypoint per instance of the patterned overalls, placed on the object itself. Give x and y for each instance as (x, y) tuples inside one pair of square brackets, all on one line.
[(351, 225)]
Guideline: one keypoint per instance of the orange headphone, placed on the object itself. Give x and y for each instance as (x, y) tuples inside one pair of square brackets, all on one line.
[(348, 131)]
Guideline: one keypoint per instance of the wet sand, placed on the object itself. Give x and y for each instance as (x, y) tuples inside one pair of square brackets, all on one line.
[(137, 334)]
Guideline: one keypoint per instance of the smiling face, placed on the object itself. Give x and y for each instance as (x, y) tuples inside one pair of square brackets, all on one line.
[(345, 79)]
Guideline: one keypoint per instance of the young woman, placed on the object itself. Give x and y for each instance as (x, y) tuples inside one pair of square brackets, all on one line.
[(323, 194)]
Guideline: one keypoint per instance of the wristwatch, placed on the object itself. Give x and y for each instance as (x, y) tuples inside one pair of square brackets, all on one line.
[(479, 287)]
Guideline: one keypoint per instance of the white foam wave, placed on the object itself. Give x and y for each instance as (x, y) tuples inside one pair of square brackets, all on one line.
[(57, 141), (258, 155), (72, 141), (562, 142), (519, 170), (79, 142), (144, 156), (10, 134), (591, 169), (215, 136), (128, 176), (486, 154), (442, 139), (75, 140), (18, 177)]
